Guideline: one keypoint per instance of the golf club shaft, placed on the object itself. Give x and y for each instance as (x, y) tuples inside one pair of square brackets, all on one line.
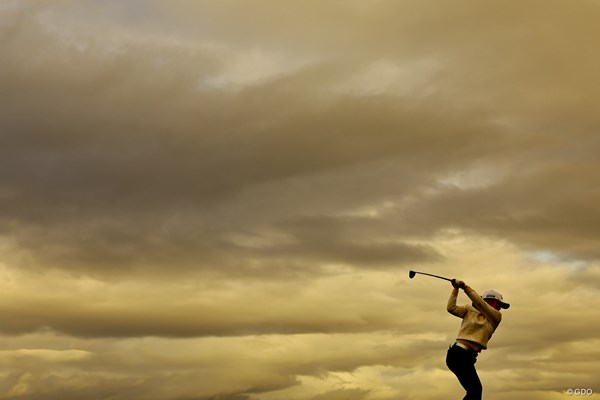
[(435, 276)]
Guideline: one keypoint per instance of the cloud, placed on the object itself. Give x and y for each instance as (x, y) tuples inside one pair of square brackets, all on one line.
[(221, 200), (346, 394), (46, 355), (102, 179)]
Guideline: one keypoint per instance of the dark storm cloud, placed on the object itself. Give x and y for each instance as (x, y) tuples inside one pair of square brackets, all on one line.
[(116, 158)]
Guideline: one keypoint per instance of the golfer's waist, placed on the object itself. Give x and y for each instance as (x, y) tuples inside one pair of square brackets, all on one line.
[(467, 347)]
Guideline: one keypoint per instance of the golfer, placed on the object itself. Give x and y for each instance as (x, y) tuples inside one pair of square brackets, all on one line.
[(479, 321)]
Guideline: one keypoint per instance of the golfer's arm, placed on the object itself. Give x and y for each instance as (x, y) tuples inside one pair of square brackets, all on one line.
[(492, 314), (452, 307)]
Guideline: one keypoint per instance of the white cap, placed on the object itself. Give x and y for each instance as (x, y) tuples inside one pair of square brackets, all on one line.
[(492, 294)]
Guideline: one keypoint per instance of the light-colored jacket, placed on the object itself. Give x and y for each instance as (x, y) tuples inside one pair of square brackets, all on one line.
[(478, 324)]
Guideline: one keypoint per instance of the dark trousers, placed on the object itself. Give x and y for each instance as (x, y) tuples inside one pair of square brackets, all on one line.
[(462, 363)]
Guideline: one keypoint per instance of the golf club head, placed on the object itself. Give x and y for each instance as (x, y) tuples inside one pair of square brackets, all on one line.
[(411, 274)]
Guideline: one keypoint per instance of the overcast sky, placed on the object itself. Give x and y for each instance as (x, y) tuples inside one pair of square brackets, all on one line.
[(221, 199)]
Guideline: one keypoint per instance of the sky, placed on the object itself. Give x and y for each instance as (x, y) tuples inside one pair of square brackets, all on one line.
[(221, 199)]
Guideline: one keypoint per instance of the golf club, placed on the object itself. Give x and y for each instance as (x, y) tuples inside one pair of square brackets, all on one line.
[(411, 274)]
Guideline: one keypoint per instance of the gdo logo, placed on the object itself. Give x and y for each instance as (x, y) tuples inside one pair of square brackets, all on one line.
[(580, 392)]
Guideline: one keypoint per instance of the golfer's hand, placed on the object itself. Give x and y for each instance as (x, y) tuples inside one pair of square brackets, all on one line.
[(458, 284)]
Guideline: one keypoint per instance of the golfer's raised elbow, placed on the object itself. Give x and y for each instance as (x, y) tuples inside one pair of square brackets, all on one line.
[(455, 310)]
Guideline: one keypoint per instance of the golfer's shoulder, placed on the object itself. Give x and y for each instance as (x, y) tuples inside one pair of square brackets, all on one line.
[(499, 316), (494, 316)]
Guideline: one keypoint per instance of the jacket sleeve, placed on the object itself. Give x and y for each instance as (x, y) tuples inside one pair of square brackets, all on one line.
[(453, 308), (493, 315)]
